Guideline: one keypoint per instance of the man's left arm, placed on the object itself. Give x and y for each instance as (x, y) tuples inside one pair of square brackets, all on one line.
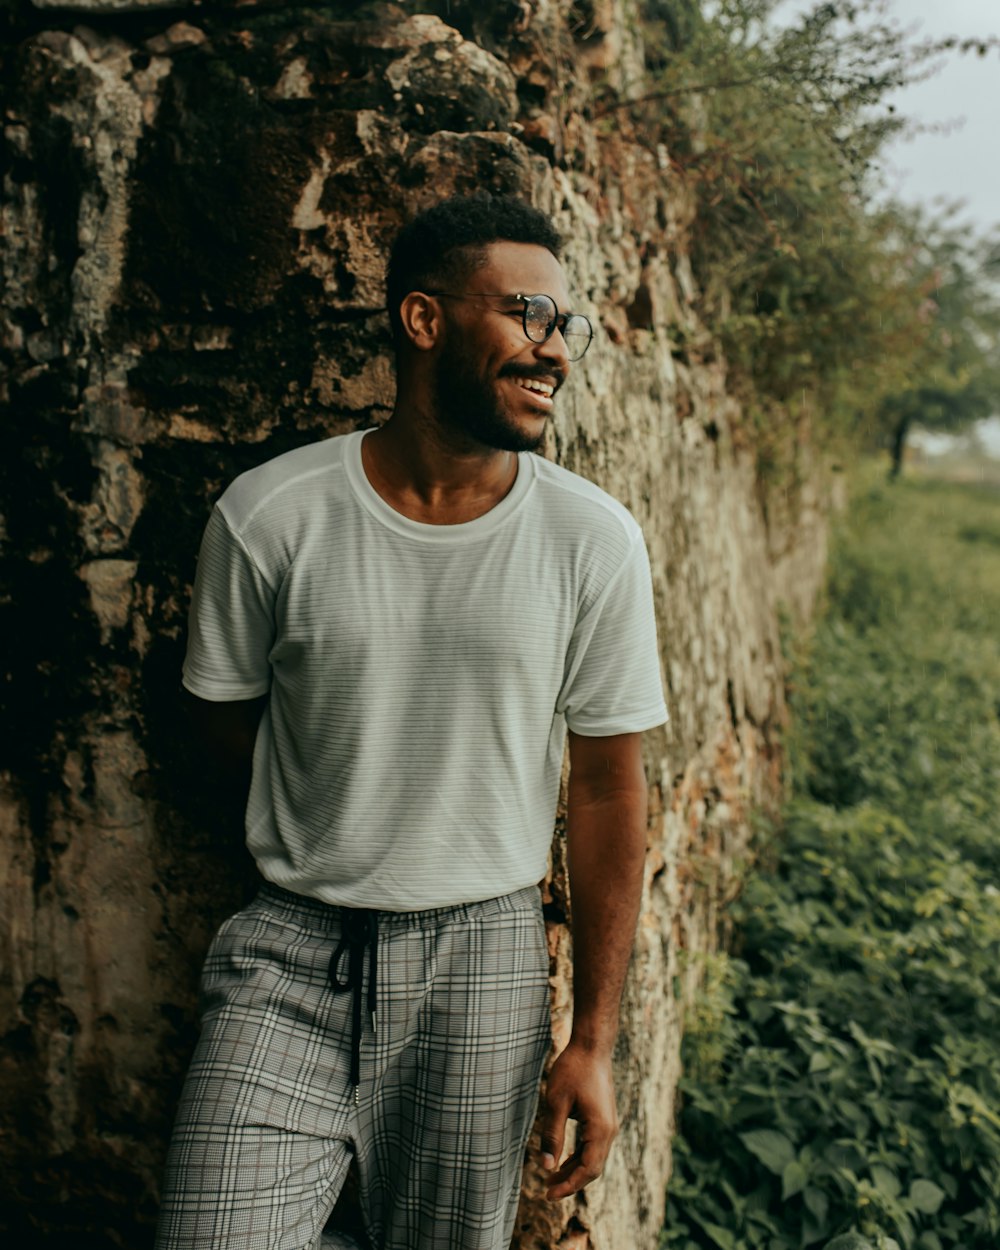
[(606, 842)]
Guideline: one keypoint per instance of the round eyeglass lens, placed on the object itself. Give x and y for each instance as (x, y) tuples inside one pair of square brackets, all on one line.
[(577, 333), (539, 314)]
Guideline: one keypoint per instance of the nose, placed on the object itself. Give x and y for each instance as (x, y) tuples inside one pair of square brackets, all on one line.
[(553, 352)]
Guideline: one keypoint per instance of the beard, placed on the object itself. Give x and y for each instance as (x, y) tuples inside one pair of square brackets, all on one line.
[(470, 404)]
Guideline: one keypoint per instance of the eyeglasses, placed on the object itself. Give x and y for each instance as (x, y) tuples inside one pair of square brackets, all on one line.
[(541, 317)]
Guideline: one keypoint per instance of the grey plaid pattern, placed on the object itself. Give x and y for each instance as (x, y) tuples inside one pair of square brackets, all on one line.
[(268, 1122)]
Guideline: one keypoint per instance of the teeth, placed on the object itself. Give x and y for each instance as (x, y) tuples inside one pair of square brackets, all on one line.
[(542, 388)]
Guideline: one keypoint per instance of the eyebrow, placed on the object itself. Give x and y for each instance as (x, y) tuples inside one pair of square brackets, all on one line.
[(526, 295)]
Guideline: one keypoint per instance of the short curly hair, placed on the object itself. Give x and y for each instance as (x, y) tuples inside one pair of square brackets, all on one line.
[(443, 245)]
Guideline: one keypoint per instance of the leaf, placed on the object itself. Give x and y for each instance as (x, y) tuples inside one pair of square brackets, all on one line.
[(817, 1204), (926, 1196), (812, 1232), (722, 1237), (849, 1241), (886, 1181), (772, 1148), (793, 1179)]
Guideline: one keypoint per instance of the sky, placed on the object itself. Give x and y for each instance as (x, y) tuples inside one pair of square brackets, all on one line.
[(961, 159)]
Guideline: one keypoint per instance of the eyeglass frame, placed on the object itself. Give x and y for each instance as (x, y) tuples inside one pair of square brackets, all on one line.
[(553, 325)]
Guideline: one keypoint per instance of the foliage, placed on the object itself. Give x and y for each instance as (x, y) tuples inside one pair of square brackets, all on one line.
[(823, 301), (958, 380), (849, 1081)]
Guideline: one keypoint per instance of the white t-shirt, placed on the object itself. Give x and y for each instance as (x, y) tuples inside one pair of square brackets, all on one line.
[(421, 677)]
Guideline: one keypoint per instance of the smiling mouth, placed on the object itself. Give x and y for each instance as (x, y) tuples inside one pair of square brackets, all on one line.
[(544, 390)]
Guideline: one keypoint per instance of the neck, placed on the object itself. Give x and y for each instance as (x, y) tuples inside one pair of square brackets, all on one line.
[(430, 474)]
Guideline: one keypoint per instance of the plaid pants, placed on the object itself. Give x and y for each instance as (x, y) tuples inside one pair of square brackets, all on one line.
[(448, 1080)]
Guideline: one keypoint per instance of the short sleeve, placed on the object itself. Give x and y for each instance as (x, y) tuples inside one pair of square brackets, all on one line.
[(612, 680), (231, 623)]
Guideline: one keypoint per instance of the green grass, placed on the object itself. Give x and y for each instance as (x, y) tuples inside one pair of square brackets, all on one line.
[(844, 1076)]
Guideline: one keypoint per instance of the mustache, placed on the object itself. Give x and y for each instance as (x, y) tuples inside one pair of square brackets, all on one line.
[(537, 373)]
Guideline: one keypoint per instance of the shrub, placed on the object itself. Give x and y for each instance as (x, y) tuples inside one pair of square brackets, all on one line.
[(848, 1080)]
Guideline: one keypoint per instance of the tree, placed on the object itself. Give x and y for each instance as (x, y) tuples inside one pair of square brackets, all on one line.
[(957, 380), (822, 298)]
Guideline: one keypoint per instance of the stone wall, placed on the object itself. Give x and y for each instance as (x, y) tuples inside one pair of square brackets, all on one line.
[(196, 208)]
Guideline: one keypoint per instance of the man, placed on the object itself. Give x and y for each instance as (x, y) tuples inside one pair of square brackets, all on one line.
[(400, 625)]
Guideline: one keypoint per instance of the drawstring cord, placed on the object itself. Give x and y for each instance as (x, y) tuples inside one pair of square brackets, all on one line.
[(359, 928)]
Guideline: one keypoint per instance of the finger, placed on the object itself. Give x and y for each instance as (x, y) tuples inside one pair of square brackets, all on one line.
[(582, 1167), (554, 1130), (570, 1179)]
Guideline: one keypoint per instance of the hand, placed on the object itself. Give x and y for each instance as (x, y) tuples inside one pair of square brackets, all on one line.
[(579, 1086)]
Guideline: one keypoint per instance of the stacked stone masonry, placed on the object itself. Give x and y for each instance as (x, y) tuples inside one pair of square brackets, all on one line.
[(197, 203)]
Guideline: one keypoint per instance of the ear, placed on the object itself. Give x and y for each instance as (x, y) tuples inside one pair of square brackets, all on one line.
[(422, 320)]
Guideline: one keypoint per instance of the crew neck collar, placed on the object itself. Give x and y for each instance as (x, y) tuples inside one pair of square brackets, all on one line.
[(464, 531)]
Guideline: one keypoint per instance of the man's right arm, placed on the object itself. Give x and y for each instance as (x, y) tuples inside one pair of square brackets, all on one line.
[(226, 733)]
